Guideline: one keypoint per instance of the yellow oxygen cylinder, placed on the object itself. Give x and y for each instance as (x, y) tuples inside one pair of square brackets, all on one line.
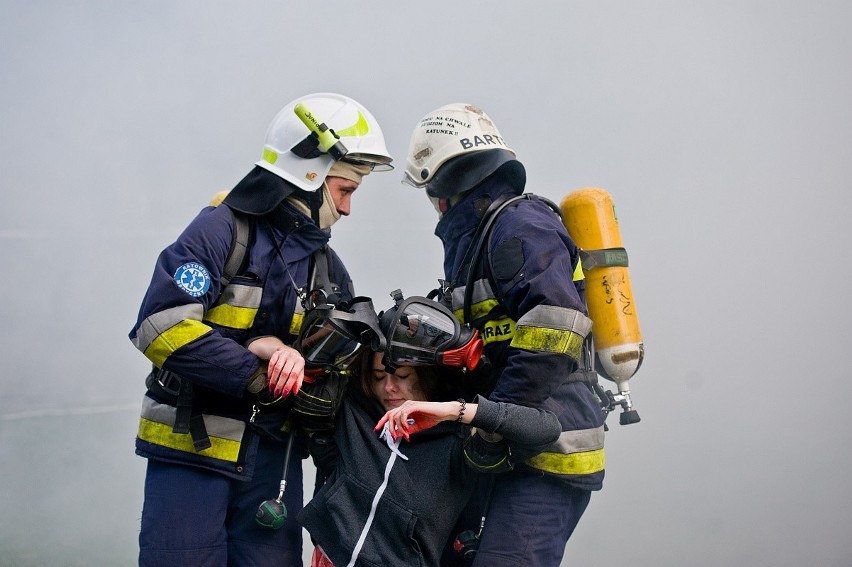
[(589, 216)]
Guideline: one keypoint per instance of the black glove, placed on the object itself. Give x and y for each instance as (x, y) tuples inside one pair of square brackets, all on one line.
[(317, 402), (258, 387)]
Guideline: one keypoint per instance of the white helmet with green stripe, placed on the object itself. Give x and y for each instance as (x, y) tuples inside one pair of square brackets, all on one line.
[(295, 147)]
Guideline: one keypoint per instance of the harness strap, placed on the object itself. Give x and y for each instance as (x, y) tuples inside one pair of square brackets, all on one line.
[(603, 257), (587, 376), (184, 408), (239, 248), (481, 237), (475, 250), (321, 276), (189, 420), (168, 385)]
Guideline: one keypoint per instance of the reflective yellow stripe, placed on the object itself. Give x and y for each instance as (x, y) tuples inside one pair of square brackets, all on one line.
[(156, 426), (231, 316), (477, 310), (555, 317), (172, 339), (578, 441), (296, 323), (588, 462), (548, 340), (162, 434), (497, 330), (237, 307), (241, 296), (482, 300), (157, 323), (578, 271)]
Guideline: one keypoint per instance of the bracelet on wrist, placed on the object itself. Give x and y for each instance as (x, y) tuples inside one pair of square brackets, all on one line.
[(461, 409)]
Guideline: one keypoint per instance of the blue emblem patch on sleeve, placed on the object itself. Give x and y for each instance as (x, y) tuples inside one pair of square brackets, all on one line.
[(193, 278)]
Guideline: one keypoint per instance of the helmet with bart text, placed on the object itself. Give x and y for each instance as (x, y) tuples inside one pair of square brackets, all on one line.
[(453, 149)]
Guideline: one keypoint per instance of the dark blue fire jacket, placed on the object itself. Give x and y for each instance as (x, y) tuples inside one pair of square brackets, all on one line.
[(191, 325), (533, 324)]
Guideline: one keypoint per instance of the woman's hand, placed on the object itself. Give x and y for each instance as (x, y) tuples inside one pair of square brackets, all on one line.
[(286, 371), (285, 368), (412, 417)]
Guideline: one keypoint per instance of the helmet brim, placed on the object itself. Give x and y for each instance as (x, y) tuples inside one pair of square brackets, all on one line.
[(463, 173)]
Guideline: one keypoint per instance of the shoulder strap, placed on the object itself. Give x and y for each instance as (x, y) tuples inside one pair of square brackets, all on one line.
[(239, 246), (320, 279), (480, 238)]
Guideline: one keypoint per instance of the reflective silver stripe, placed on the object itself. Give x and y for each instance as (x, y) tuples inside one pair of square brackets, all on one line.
[(236, 307), (578, 441), (481, 292), (574, 453), (217, 426), (241, 296), (157, 323), (483, 300), (555, 317)]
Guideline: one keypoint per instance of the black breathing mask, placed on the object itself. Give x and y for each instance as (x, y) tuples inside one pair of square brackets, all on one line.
[(420, 332), (331, 336)]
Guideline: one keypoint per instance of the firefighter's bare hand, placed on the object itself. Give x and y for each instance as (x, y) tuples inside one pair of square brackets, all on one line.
[(286, 371)]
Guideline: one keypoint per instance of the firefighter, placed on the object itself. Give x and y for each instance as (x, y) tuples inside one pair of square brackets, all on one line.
[(526, 299), (215, 418)]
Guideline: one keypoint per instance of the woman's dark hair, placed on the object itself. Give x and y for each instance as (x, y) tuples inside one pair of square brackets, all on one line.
[(433, 380)]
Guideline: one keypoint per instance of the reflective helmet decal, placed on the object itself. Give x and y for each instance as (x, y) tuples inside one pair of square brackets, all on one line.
[(360, 128)]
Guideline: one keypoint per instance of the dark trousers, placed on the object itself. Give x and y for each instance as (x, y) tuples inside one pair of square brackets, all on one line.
[(193, 517), (529, 519)]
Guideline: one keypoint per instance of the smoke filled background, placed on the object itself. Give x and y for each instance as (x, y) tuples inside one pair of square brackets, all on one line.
[(723, 131)]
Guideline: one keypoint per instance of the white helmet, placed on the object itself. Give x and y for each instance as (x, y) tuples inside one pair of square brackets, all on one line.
[(292, 150), (448, 132)]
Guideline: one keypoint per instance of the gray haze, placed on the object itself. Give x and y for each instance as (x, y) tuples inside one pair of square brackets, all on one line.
[(722, 129)]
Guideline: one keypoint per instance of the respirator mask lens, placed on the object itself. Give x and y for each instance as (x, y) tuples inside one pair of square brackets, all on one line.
[(420, 332), (324, 343)]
